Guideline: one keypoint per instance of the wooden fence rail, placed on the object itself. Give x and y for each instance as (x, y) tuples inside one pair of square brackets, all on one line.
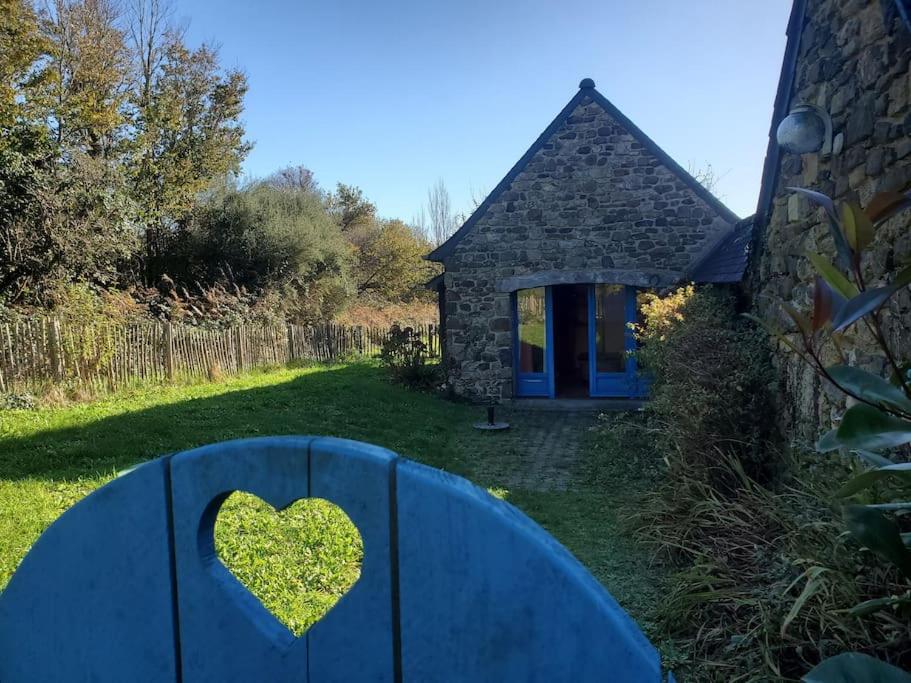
[(39, 352)]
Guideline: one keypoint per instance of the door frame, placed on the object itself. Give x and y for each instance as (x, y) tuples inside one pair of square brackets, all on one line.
[(624, 384), (535, 384)]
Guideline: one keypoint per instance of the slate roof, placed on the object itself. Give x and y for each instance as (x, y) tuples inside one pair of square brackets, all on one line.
[(586, 90), (726, 262)]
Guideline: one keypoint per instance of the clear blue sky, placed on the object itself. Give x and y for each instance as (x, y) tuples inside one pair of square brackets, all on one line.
[(389, 95)]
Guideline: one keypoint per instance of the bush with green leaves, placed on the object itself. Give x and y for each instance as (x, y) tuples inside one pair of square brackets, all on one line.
[(875, 430), (407, 358), (710, 378)]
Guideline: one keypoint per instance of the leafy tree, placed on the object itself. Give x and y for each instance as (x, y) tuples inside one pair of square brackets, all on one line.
[(263, 237), (59, 222), (89, 63), (350, 208), (21, 47), (389, 260), (189, 132)]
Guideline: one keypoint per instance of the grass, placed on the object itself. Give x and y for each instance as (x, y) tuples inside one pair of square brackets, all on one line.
[(300, 561)]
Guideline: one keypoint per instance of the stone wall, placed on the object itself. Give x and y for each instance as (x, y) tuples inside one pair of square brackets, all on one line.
[(853, 61), (592, 199)]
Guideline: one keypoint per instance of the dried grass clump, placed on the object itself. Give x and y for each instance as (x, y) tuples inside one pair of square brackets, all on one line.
[(765, 577)]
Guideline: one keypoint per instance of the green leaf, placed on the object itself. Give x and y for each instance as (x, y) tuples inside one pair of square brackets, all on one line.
[(857, 226), (814, 583), (870, 477), (833, 276), (862, 304), (870, 387), (868, 607), (828, 441), (842, 248), (880, 534), (855, 667), (872, 458), (870, 429)]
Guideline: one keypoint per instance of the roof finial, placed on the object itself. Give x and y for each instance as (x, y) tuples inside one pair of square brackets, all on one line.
[(587, 84)]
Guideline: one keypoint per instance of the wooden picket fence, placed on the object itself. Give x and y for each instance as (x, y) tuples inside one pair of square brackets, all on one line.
[(40, 352)]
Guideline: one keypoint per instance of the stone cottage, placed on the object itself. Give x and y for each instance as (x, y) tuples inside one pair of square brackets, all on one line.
[(850, 60), (540, 283)]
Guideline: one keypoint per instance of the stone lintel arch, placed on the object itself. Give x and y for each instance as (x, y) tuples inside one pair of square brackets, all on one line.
[(609, 276)]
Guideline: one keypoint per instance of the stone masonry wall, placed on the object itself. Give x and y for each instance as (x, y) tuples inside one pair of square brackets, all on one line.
[(854, 63), (591, 199)]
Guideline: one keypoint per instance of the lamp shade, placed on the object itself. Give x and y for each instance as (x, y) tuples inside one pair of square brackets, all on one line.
[(802, 130)]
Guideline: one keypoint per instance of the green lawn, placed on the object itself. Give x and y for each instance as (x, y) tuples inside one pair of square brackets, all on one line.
[(299, 562)]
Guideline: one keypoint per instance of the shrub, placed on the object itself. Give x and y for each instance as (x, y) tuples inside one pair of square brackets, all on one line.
[(406, 356), (710, 379), (764, 578)]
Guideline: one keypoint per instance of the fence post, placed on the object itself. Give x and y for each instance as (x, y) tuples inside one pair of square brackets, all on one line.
[(53, 339), (169, 350), (290, 342), (239, 347)]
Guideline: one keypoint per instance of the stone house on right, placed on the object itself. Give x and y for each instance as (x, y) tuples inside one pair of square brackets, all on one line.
[(848, 60)]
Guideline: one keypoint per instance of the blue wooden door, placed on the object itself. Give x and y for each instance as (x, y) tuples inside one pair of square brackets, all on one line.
[(533, 342), (612, 368)]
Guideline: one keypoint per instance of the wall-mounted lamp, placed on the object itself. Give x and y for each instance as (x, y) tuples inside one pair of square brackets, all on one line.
[(807, 128)]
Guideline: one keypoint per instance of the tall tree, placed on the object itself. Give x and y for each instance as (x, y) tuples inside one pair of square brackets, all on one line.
[(439, 211), (21, 46), (389, 261), (90, 62), (188, 132)]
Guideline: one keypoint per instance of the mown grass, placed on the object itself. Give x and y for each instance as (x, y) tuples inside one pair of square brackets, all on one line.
[(299, 562)]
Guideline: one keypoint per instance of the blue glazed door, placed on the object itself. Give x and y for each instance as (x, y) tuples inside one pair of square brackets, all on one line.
[(612, 370), (533, 342)]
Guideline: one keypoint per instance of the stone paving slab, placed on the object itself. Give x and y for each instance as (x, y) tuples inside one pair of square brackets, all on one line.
[(539, 452)]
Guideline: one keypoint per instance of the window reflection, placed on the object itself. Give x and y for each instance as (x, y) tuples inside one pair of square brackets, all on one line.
[(610, 328), (532, 329)]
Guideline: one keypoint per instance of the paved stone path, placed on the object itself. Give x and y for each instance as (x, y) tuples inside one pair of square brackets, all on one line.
[(539, 452)]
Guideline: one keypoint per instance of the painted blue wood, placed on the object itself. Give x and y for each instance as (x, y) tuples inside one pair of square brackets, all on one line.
[(536, 384), (626, 384), (487, 595), (92, 600), (354, 641), (455, 586), (225, 632)]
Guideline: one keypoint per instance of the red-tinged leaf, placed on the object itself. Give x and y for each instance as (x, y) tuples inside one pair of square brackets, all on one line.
[(826, 303), (799, 318), (884, 205)]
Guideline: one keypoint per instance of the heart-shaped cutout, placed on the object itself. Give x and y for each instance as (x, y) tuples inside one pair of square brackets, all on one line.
[(298, 562)]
